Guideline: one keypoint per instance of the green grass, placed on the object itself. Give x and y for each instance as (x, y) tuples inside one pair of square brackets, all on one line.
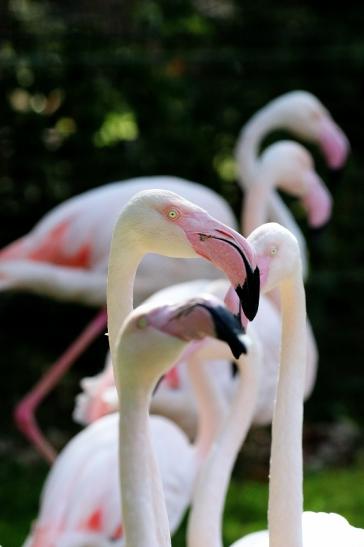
[(335, 490)]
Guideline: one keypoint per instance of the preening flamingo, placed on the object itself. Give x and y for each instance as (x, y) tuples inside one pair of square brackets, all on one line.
[(80, 503), (286, 165), (278, 258)]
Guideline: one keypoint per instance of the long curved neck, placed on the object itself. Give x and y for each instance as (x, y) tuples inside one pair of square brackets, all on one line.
[(247, 147), (260, 206), (254, 211), (205, 521), (277, 211), (125, 256), (211, 405), (144, 513), (286, 474), (138, 483)]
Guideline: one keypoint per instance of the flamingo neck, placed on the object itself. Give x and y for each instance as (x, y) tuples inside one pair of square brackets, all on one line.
[(211, 405), (249, 141), (125, 256), (279, 212), (143, 526), (271, 205), (255, 205), (205, 521), (144, 513), (286, 473)]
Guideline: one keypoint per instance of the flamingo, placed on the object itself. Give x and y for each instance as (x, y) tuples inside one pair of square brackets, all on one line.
[(304, 116), (65, 257), (286, 165), (56, 273), (278, 257), (166, 224), (80, 500), (149, 342)]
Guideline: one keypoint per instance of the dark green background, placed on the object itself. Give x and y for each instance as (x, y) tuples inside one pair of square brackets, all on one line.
[(191, 74)]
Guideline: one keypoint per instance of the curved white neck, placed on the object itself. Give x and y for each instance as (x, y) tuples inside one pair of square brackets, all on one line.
[(286, 475), (145, 517), (205, 521), (135, 478), (253, 132), (211, 404), (125, 257), (272, 207)]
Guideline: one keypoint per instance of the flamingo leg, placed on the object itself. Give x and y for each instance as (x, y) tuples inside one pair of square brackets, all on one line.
[(24, 413)]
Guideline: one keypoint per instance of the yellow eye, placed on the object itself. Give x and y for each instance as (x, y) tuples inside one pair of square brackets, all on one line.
[(173, 214), (273, 251), (142, 322)]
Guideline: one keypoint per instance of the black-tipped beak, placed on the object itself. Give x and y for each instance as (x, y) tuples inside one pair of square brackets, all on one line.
[(249, 293), (228, 328)]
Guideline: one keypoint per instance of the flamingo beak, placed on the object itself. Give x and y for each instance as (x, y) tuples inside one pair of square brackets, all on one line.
[(231, 253), (334, 144), (228, 329), (317, 201), (198, 318)]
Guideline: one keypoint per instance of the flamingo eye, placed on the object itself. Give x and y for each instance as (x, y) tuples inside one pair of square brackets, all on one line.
[(173, 214), (273, 250), (142, 322)]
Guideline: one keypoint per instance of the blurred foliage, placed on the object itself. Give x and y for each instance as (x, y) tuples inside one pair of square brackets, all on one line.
[(337, 490), (103, 90)]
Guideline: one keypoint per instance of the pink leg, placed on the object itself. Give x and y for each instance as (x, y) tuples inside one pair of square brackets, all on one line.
[(24, 413)]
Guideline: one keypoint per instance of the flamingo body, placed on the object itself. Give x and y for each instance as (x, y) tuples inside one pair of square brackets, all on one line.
[(318, 529), (65, 255), (81, 495)]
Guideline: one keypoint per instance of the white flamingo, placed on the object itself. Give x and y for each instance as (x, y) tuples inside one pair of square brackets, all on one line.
[(80, 502), (279, 261), (149, 342), (164, 223)]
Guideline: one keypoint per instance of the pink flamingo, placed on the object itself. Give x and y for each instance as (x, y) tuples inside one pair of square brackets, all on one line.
[(80, 501), (285, 165), (65, 257), (279, 261)]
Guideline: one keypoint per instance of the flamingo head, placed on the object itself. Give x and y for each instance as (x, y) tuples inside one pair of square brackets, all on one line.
[(289, 166), (173, 226), (277, 252), (302, 113), (156, 335)]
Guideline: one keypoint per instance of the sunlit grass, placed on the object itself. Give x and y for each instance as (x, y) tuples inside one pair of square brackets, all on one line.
[(335, 490)]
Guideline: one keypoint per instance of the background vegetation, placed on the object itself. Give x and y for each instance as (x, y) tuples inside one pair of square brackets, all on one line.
[(97, 91)]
